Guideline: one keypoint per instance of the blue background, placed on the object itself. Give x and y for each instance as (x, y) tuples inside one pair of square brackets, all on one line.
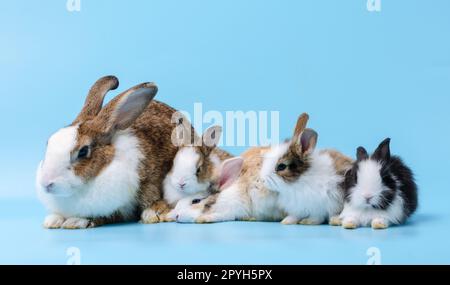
[(362, 76)]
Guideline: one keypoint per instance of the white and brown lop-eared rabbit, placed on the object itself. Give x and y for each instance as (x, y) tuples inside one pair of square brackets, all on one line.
[(109, 164), (196, 166)]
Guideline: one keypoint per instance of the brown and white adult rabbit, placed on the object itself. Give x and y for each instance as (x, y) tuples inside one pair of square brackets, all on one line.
[(195, 168), (108, 165)]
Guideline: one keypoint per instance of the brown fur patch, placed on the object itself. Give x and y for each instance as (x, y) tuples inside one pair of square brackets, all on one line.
[(94, 100), (100, 155), (116, 217), (209, 202), (295, 165), (341, 162), (207, 169)]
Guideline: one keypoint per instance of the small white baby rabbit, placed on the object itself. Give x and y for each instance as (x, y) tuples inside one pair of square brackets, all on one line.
[(188, 209), (380, 190), (195, 168), (308, 182)]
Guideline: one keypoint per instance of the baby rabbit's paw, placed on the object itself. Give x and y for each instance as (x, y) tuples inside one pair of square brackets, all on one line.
[(335, 221), (349, 223), (76, 223), (249, 219), (204, 219), (289, 220), (168, 217), (379, 224), (309, 221), (149, 216), (53, 221)]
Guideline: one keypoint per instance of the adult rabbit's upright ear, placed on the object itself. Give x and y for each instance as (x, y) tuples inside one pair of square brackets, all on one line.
[(94, 100), (122, 111)]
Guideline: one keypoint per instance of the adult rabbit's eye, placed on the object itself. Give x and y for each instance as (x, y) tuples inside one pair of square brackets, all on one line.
[(83, 152), (281, 167), (196, 201)]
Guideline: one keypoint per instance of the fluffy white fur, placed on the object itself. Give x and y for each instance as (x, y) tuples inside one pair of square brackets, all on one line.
[(183, 172), (359, 212), (241, 202), (113, 190), (314, 197), (185, 211)]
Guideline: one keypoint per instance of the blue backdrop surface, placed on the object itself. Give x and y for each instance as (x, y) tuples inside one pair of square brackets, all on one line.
[(362, 76)]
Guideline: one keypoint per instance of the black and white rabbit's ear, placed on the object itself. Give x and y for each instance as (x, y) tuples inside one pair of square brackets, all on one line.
[(361, 154), (383, 152)]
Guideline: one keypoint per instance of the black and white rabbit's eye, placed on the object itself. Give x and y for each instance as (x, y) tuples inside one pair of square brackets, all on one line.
[(281, 167), (198, 171), (196, 201), (83, 152)]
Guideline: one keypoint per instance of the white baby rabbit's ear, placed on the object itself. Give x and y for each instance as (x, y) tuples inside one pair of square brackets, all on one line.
[(94, 100), (210, 139), (230, 170), (383, 152), (361, 154), (121, 112), (184, 134), (308, 141)]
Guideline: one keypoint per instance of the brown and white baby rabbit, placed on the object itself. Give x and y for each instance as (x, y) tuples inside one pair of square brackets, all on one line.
[(108, 165), (380, 190), (244, 198), (308, 182), (195, 168)]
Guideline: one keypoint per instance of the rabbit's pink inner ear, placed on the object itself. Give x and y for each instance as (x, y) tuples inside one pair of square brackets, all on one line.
[(231, 168), (308, 141)]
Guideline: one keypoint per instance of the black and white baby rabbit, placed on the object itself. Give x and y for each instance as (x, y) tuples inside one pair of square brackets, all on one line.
[(380, 190)]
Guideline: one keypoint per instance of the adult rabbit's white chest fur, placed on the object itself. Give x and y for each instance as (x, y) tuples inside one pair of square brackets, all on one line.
[(113, 190)]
